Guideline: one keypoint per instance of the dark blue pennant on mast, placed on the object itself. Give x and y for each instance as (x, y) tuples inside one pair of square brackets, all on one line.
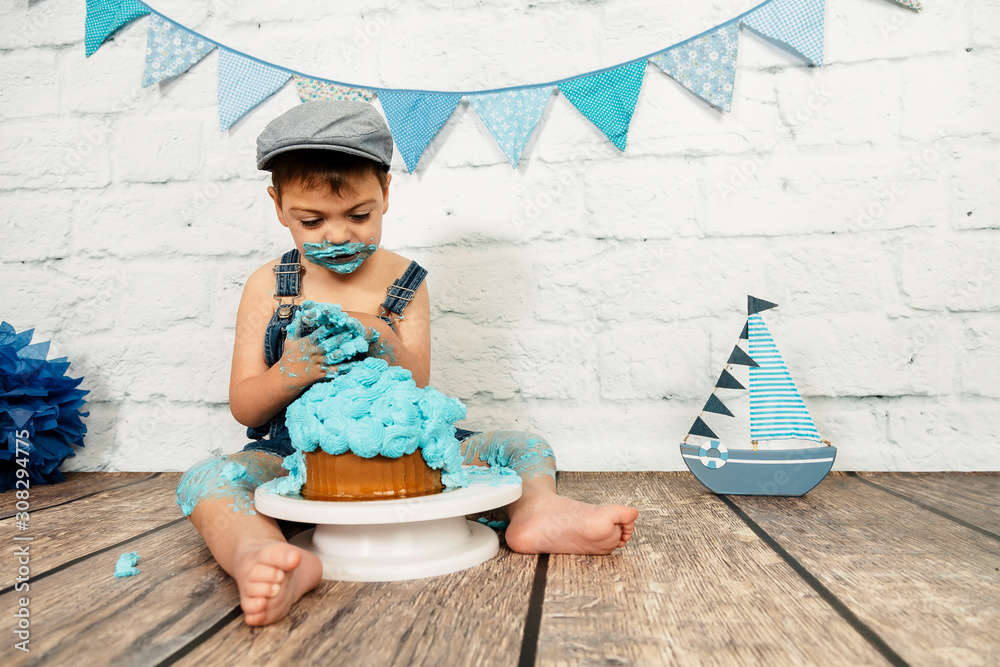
[(755, 305), (741, 358), (727, 381), (745, 334), (701, 428), (717, 406)]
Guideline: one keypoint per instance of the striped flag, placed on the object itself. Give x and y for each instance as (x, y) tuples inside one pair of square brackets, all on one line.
[(776, 409)]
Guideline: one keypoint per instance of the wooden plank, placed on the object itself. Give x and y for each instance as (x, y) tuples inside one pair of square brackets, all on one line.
[(972, 497), (83, 615), (694, 586), (77, 485), (929, 587), (65, 532), (473, 617)]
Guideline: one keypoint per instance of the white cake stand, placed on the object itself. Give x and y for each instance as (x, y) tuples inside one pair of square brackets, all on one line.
[(395, 540)]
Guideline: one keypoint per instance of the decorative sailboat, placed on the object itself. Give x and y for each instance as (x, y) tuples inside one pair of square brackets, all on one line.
[(777, 413)]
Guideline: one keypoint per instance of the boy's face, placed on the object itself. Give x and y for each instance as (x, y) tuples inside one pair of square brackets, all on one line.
[(317, 215)]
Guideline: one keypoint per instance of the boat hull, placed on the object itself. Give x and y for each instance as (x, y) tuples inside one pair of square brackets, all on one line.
[(787, 472)]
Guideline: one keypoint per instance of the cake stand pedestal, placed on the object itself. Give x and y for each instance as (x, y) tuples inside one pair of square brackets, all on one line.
[(395, 540)]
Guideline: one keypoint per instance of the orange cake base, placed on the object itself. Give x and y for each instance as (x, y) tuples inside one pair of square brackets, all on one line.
[(350, 477)]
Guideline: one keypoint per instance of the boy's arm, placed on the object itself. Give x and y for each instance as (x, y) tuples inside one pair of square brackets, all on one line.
[(410, 345), (256, 392)]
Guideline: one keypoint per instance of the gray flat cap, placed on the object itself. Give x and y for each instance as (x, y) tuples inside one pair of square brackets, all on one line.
[(348, 127)]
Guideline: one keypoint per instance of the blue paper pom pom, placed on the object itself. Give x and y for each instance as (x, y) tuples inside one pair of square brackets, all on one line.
[(40, 416)]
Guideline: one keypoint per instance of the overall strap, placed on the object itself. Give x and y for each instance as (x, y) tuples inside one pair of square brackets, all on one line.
[(401, 292), (286, 282)]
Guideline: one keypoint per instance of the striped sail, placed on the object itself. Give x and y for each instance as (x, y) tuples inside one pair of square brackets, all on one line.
[(776, 410)]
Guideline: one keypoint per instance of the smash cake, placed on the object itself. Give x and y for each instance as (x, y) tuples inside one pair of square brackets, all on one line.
[(368, 432)]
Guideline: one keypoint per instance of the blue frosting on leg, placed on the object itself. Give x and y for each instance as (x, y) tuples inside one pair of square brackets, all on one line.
[(223, 478), (526, 454)]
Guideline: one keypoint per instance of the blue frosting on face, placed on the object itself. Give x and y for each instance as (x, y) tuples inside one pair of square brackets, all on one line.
[(340, 257), (372, 408)]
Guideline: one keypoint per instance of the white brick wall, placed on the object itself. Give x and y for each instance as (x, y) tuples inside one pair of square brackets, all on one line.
[(590, 296)]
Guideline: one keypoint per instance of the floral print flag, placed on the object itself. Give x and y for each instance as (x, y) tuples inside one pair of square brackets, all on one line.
[(171, 50), (706, 65)]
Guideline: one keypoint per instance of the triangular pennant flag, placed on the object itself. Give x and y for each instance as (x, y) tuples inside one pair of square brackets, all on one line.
[(608, 98), (755, 305), (706, 66), (415, 118), (701, 428), (717, 406), (511, 116), (171, 50), (727, 381), (243, 84), (106, 16), (313, 90), (796, 23), (745, 334), (912, 4), (740, 358)]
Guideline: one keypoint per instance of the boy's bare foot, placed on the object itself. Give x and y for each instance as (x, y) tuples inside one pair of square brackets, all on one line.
[(548, 523), (271, 577)]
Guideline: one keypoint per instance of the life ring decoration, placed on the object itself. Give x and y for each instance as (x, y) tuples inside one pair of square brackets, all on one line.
[(713, 462)]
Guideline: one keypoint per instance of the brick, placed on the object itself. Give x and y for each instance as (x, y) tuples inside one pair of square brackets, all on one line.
[(641, 360), (24, 238), (170, 436), (29, 85), (974, 184), (97, 453), (888, 31), (549, 363), (484, 284), (829, 190), (471, 360), (109, 81), (197, 218), (980, 357), (951, 272), (161, 293), (171, 153), (57, 153), (50, 23), (937, 436)]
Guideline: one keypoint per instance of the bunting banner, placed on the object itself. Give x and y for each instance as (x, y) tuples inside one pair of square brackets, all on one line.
[(313, 90), (414, 119), (795, 23), (704, 64), (106, 16), (777, 411), (243, 84), (755, 305), (608, 98), (511, 116), (170, 50)]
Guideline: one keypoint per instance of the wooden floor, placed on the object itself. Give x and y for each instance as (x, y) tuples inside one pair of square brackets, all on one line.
[(867, 569)]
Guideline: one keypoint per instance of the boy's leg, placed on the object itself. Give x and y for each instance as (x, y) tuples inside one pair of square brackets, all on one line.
[(541, 521), (217, 495)]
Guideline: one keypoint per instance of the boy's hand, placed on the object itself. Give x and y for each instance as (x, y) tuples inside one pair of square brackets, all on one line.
[(334, 339)]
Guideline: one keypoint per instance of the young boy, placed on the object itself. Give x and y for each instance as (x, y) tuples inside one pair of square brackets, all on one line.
[(329, 163)]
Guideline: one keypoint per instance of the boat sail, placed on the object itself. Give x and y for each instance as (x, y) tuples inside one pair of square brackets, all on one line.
[(777, 413)]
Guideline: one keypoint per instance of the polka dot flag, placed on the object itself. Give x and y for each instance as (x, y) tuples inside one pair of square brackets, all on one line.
[(106, 16), (415, 118), (797, 23), (511, 116), (243, 84), (608, 98)]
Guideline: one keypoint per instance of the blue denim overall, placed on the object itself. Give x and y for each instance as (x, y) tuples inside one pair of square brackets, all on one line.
[(273, 437)]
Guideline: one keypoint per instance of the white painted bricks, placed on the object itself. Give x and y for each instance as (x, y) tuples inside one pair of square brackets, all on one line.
[(590, 296)]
